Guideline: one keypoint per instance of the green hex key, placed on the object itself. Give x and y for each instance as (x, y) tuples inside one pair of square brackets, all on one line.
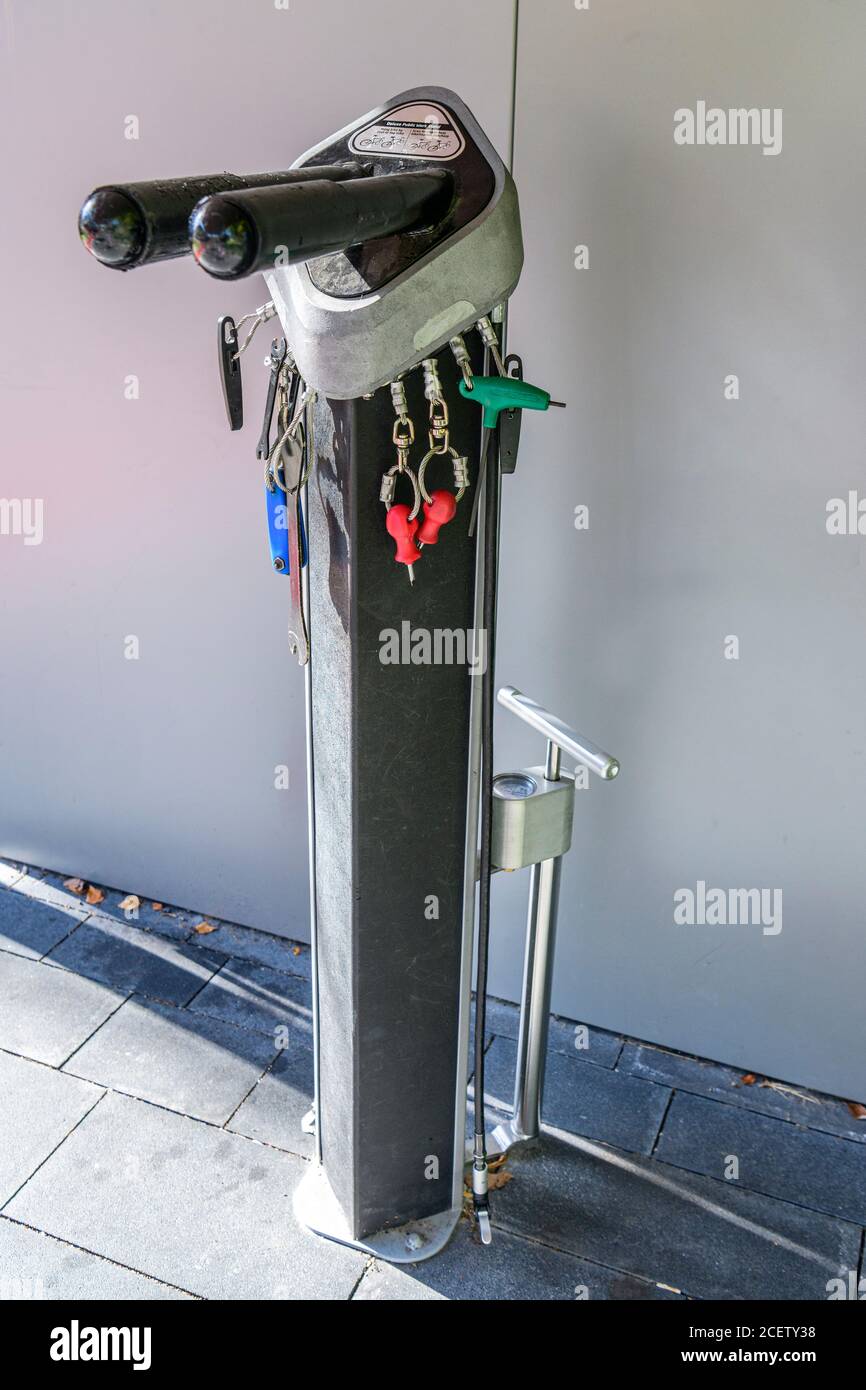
[(497, 393)]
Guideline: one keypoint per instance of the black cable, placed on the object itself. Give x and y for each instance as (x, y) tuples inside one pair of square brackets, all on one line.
[(491, 558)]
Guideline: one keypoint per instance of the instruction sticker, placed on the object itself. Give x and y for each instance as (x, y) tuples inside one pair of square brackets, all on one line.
[(417, 131)]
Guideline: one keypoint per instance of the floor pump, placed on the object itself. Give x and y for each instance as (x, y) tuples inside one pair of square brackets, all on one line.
[(389, 252)]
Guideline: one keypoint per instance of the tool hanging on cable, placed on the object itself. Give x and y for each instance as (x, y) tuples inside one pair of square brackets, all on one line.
[(229, 356), (287, 469), (277, 357), (498, 393), (439, 506), (283, 386), (401, 521), (505, 392)]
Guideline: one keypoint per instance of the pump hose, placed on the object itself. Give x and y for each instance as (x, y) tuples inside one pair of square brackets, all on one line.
[(491, 560)]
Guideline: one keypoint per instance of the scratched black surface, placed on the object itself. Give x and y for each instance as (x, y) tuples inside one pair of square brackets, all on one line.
[(392, 747)]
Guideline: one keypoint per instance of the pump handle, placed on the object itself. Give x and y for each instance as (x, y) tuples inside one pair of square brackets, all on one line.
[(603, 764)]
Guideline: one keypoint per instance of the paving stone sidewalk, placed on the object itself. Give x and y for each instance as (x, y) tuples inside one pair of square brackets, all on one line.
[(153, 1079)]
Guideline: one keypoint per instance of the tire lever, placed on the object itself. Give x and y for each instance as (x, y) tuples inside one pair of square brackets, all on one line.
[(230, 371)]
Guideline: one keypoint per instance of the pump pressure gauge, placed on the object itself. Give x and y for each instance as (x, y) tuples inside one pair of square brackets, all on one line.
[(514, 785)]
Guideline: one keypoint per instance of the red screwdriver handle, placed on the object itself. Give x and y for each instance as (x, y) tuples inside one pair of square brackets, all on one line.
[(437, 512), (402, 528)]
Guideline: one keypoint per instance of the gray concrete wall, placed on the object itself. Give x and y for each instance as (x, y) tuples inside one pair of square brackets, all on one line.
[(706, 515), (157, 774)]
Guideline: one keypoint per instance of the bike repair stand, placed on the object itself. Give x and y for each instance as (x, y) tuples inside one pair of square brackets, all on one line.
[(393, 981), (394, 762), (381, 248)]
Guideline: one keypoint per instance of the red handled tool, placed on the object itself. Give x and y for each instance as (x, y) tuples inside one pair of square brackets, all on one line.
[(402, 528), (437, 513)]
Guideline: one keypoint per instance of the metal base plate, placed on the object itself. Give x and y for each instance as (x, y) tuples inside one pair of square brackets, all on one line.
[(316, 1206), (506, 1136), (501, 1140)]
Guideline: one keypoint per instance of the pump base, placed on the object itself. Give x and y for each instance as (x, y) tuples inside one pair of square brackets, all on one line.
[(507, 1136), (316, 1207)]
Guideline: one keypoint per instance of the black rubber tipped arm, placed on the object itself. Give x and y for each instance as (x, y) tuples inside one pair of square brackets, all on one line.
[(131, 224), (237, 233)]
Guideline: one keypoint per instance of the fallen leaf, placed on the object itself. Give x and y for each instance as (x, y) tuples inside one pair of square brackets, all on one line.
[(157, 907), (749, 1079), (204, 928), (75, 885), (94, 895), (857, 1110), (499, 1179), (296, 950), (131, 903)]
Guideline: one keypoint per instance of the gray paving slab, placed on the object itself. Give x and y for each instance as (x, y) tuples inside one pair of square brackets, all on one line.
[(821, 1171), (180, 923), (255, 996), (687, 1232), (18, 867), (169, 921), (273, 1112), (39, 1107), (33, 1265), (577, 1040), (48, 888), (594, 1101), (188, 1062), (713, 1079), (132, 960), (10, 872), (390, 1284), (46, 1013), (173, 922), (30, 927), (510, 1269), (186, 1203), (258, 947)]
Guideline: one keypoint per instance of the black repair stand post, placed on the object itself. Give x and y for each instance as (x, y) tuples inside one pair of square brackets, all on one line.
[(380, 247), (391, 759)]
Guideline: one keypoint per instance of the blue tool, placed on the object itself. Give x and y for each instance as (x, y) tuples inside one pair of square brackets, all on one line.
[(278, 529)]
